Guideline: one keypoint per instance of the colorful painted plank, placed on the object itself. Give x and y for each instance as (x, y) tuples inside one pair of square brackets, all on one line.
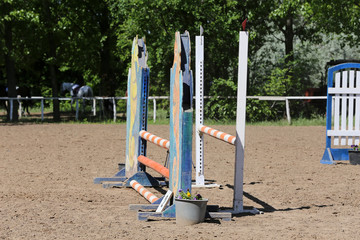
[(136, 106), (180, 102)]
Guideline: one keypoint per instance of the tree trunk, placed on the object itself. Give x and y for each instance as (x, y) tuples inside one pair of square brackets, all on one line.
[(52, 55), (107, 85), (56, 105), (289, 49), (10, 68), (289, 40)]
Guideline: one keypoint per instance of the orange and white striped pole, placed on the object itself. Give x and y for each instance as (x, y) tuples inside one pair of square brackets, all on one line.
[(217, 134), (154, 165), (143, 191), (155, 139)]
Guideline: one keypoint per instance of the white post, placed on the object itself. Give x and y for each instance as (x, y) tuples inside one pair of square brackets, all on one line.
[(94, 107), (42, 109), (77, 110), (199, 120), (154, 103), (20, 109), (238, 205), (288, 110), (114, 108)]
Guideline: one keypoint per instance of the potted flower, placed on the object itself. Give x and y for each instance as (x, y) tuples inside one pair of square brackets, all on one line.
[(354, 155), (189, 209)]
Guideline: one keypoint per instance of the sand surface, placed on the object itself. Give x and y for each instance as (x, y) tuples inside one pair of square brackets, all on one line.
[(47, 190)]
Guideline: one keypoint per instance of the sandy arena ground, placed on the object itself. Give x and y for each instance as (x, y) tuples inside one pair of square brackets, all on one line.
[(47, 190)]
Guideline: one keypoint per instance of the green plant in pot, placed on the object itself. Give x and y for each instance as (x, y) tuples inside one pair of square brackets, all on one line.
[(354, 155), (190, 209)]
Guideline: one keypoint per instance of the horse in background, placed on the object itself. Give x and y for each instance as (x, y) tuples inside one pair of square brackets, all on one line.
[(26, 104), (20, 92), (76, 91)]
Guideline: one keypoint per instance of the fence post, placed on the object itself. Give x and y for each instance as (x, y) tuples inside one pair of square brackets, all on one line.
[(11, 109), (20, 109), (42, 109), (154, 103), (114, 108), (94, 106), (288, 110), (77, 109)]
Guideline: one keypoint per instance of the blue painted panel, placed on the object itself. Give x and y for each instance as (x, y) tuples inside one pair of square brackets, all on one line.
[(186, 166), (181, 116)]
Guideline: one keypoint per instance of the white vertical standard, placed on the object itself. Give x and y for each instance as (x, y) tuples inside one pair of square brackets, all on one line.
[(199, 120), (199, 94), (238, 205)]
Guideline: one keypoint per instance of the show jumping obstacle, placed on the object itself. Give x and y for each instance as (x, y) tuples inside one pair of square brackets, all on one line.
[(239, 140), (343, 99), (180, 144)]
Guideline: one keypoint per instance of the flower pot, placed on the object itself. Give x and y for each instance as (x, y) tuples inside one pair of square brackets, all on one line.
[(189, 212), (354, 157)]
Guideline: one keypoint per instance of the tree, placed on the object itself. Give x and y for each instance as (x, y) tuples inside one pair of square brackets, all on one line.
[(49, 21), (340, 17), (9, 60), (13, 37)]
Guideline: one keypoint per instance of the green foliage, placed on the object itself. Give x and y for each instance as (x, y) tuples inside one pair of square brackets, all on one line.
[(220, 106), (89, 42), (257, 110)]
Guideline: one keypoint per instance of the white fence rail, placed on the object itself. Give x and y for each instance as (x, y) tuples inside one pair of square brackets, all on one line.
[(286, 99)]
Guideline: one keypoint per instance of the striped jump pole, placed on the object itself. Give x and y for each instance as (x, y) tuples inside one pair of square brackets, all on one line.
[(155, 139), (154, 165), (217, 134), (143, 191)]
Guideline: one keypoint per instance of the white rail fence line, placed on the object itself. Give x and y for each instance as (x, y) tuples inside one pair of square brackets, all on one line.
[(154, 98)]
